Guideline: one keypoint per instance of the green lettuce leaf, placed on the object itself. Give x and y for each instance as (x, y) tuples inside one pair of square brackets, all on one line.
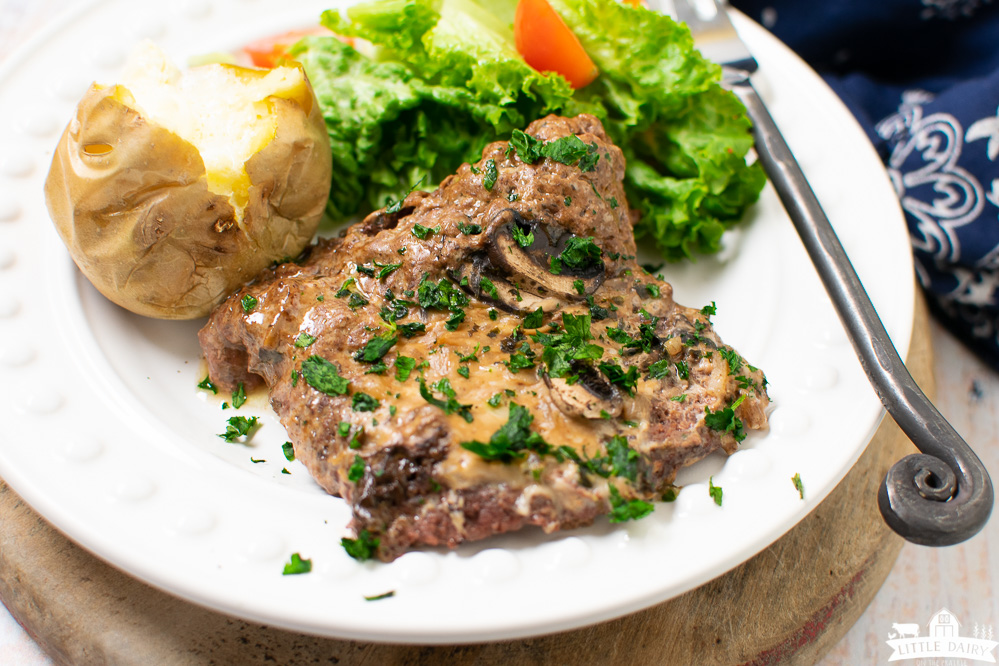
[(444, 79)]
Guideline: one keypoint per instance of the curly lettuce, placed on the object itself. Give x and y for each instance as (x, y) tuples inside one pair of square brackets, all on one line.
[(442, 78)]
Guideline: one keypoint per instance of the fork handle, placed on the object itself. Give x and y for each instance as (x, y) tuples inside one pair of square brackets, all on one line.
[(943, 495)]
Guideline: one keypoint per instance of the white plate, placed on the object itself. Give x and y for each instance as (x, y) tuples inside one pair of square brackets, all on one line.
[(106, 436)]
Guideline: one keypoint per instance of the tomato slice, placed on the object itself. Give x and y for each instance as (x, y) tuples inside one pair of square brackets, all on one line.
[(269, 51), (548, 45)]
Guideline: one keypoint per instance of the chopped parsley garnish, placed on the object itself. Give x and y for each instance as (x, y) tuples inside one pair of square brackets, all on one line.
[(568, 150), (489, 179), (257, 460), (207, 385), (519, 362), (567, 201), (239, 426), (468, 358), (375, 348), (486, 285), (709, 310), (296, 565), (714, 491), (623, 459), (653, 290), (363, 547), (442, 296), (597, 313), (378, 597), (469, 229), (248, 302), (798, 485), (627, 380), (682, 370), (623, 510), (343, 428), (588, 162), (523, 238), (362, 402), (412, 329), (495, 400), (671, 494), (725, 420), (377, 368), (613, 203), (356, 471), (512, 440), (463, 371), (528, 148), (732, 358), (323, 376), (404, 367), (451, 405), (392, 207), (289, 451), (386, 269), (304, 340), (579, 287), (239, 396), (513, 196), (659, 369), (534, 319), (562, 350), (580, 254), (679, 398), (422, 232), (493, 314)]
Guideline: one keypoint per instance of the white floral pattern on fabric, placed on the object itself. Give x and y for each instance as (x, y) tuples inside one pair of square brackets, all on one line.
[(952, 197)]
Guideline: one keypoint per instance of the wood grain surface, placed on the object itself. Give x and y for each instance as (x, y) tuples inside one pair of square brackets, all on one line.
[(788, 605)]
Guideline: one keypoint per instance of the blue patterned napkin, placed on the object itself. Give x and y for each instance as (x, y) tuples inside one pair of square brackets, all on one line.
[(922, 77)]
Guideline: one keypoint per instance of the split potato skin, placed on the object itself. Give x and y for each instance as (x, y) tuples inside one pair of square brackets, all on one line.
[(131, 201)]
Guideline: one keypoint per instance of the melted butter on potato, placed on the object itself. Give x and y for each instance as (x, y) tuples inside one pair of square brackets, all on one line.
[(171, 189)]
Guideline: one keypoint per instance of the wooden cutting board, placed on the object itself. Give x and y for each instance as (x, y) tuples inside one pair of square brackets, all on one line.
[(787, 605)]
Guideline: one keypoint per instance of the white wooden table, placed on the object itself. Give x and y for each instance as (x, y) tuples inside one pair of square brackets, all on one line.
[(963, 579)]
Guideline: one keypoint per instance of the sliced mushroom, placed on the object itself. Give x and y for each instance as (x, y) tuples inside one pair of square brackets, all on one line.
[(477, 279), (591, 396), (529, 266)]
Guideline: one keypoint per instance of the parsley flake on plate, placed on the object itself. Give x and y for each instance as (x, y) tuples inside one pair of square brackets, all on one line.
[(289, 451), (239, 426), (798, 485), (714, 491), (363, 547), (248, 302), (623, 510), (383, 595), (296, 565), (239, 396), (207, 385)]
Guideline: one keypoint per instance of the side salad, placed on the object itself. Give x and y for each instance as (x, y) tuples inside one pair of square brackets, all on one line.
[(439, 79)]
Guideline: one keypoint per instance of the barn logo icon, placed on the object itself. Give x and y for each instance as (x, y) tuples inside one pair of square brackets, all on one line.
[(943, 639)]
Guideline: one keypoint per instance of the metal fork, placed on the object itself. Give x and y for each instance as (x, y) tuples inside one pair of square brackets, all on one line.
[(943, 495)]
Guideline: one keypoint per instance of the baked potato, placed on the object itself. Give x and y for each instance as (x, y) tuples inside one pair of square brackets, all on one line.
[(171, 189)]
